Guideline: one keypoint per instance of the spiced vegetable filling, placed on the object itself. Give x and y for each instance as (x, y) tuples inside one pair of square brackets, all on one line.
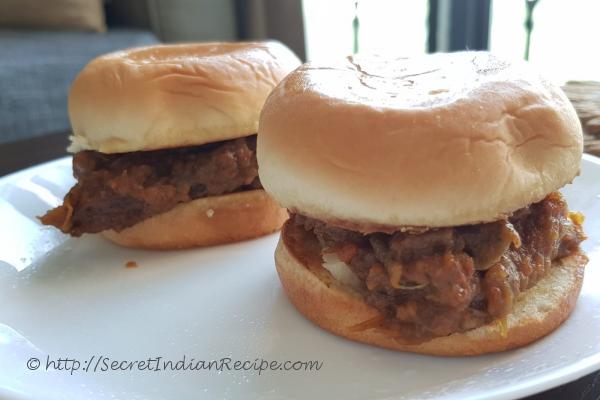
[(451, 279), (116, 191)]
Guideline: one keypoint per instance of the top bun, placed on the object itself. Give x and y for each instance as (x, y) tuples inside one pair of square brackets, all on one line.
[(165, 96), (437, 140)]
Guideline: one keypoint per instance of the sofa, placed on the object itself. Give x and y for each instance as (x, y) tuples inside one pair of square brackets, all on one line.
[(38, 66)]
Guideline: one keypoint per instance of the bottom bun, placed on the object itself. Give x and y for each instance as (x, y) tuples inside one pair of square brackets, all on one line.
[(206, 221), (342, 310)]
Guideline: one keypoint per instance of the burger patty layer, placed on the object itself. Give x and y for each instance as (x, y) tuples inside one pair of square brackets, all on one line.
[(451, 279), (116, 191)]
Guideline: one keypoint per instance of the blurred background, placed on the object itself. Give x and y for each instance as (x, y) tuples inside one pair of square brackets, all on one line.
[(44, 43)]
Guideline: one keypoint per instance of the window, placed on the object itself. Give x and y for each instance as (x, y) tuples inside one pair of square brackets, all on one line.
[(387, 27), (564, 39)]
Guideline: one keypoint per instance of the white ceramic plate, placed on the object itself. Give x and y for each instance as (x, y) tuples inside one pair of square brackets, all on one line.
[(76, 299)]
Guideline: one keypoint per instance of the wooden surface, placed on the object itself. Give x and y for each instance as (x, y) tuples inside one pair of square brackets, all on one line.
[(25, 153)]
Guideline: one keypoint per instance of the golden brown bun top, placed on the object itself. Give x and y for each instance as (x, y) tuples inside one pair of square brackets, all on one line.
[(437, 140), (174, 95)]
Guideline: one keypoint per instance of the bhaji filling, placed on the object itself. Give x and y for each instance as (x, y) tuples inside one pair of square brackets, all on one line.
[(448, 280), (116, 191)]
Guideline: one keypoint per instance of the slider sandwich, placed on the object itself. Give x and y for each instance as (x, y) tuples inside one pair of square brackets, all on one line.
[(424, 200), (165, 145)]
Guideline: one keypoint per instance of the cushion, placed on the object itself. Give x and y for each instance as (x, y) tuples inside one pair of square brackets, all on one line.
[(83, 15)]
